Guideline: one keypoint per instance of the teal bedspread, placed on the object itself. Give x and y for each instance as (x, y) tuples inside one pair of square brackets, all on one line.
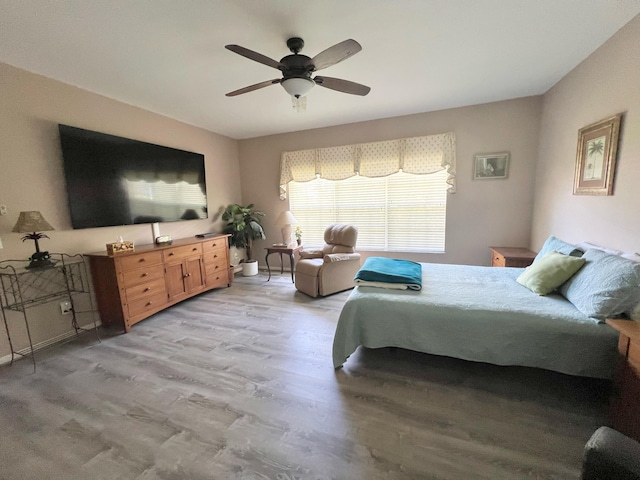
[(381, 270), (480, 314)]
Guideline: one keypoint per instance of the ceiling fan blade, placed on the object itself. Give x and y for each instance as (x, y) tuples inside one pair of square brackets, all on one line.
[(332, 55), (251, 88), (255, 56), (344, 86)]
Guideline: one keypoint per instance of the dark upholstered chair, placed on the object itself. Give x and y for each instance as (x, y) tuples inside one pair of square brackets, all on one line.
[(330, 269), (610, 455)]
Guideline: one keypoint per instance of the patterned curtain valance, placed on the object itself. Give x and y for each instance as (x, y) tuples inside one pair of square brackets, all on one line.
[(416, 155)]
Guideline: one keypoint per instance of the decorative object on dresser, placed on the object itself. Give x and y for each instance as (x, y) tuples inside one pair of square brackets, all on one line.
[(491, 166), (243, 225), (511, 257), (132, 286), (625, 410), (32, 222), (285, 220), (596, 157), (119, 247)]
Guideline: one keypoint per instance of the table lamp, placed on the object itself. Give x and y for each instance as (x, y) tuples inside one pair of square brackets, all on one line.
[(285, 220), (32, 222)]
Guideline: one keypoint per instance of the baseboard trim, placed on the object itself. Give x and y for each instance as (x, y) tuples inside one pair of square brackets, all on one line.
[(44, 344)]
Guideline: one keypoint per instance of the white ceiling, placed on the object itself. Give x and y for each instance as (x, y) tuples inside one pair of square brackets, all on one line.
[(168, 56)]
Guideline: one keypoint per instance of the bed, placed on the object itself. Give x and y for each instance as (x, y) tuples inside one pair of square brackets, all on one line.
[(480, 314)]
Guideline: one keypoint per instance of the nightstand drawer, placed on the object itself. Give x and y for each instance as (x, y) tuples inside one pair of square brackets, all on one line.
[(511, 257), (498, 261)]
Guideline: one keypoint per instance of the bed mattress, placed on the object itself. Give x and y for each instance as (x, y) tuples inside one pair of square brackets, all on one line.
[(480, 314)]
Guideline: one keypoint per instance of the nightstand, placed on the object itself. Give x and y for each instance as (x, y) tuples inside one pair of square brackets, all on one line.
[(289, 250), (624, 412), (511, 257)]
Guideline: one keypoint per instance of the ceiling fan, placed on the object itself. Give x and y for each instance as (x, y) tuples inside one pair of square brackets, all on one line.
[(297, 69)]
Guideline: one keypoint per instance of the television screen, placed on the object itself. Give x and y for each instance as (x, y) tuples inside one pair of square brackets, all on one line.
[(118, 181)]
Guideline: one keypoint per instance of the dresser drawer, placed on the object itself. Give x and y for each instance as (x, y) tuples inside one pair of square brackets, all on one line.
[(215, 244), (131, 262), (211, 268), (218, 255), (146, 289), (219, 279), (145, 304), (179, 253), (142, 275)]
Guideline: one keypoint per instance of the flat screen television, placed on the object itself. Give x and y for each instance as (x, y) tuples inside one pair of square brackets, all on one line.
[(113, 180)]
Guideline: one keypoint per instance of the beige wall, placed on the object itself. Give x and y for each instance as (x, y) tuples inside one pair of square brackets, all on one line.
[(31, 178), (606, 83), (480, 214)]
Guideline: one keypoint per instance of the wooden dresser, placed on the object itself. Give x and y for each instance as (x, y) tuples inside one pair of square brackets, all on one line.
[(511, 257), (131, 286), (624, 413)]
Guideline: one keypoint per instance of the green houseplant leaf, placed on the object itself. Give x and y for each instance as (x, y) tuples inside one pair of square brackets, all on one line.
[(243, 223)]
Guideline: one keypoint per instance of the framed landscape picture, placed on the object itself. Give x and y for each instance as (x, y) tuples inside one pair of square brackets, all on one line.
[(490, 166), (596, 157)]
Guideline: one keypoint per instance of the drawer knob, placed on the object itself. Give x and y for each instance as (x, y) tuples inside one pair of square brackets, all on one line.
[(171, 254), (149, 303), (145, 274), (215, 256), (141, 260), (147, 289), (194, 249)]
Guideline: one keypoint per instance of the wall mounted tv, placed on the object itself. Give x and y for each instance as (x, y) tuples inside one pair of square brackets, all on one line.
[(118, 181)]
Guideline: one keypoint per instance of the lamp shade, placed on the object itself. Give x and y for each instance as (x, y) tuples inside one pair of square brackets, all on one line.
[(286, 218), (31, 222), (297, 87)]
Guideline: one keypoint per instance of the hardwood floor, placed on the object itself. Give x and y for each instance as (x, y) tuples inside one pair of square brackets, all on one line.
[(238, 384)]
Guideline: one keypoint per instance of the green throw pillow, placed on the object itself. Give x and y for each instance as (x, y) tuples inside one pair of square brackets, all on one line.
[(548, 273)]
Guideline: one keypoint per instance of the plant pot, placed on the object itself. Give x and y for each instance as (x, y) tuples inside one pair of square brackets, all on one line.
[(299, 240), (250, 268)]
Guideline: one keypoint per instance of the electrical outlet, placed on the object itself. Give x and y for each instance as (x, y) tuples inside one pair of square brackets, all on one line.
[(3, 209), (65, 307)]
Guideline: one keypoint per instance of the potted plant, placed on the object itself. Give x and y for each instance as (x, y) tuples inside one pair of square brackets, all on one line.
[(243, 223), (299, 235)]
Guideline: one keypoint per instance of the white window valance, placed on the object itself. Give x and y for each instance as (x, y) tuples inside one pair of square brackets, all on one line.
[(415, 155)]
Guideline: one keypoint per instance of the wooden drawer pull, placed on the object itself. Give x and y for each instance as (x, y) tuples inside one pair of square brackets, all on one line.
[(144, 274), (141, 260), (171, 254), (147, 289), (149, 303), (194, 249)]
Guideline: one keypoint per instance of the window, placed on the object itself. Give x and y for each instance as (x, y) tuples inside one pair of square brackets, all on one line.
[(399, 212)]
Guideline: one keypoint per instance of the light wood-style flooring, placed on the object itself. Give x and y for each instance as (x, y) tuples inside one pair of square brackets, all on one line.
[(238, 384)]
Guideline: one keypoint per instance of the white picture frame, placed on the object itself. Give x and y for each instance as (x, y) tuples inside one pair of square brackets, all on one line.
[(491, 166)]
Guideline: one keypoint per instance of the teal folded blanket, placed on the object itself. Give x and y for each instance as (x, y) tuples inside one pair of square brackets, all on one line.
[(381, 270)]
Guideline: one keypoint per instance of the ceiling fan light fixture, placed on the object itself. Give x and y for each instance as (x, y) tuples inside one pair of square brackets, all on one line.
[(297, 87)]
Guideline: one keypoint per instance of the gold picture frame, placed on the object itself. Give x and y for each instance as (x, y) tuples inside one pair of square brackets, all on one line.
[(596, 157)]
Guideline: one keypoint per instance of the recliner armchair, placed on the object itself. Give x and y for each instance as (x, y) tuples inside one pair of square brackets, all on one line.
[(330, 269), (611, 455)]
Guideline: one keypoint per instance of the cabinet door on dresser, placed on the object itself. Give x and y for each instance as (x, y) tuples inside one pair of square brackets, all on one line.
[(184, 271), (216, 262)]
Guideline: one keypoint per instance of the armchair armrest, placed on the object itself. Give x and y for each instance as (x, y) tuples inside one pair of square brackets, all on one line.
[(341, 257), (610, 454), (311, 253)]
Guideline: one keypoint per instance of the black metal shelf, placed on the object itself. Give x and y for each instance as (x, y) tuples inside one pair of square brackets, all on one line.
[(22, 288)]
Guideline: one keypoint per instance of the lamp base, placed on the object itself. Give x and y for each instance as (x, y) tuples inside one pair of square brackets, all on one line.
[(40, 260)]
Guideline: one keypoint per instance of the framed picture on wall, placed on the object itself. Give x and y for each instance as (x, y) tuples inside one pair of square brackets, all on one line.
[(491, 166), (596, 157)]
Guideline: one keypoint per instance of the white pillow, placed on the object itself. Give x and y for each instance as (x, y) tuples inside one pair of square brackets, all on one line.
[(584, 246)]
